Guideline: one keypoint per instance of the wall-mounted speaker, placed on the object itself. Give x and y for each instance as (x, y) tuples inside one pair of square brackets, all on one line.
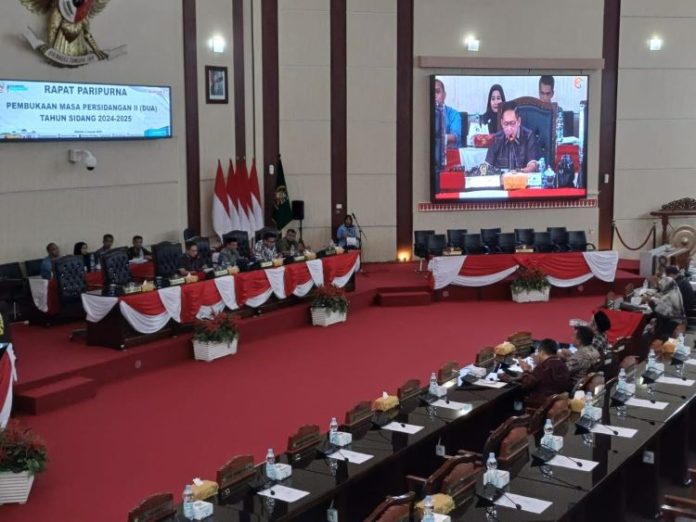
[(298, 210)]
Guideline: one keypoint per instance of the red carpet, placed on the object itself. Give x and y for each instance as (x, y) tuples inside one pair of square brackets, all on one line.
[(158, 430)]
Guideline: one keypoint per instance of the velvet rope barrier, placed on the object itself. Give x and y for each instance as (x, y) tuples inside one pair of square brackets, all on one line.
[(652, 233)]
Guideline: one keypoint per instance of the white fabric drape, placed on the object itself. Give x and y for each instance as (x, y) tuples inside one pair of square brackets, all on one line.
[(225, 286), (567, 283), (39, 292), (207, 312), (6, 408), (171, 300), (445, 269), (257, 301), (603, 264), (97, 307), (276, 278), (484, 280), (316, 270), (304, 289), (144, 324), (341, 281)]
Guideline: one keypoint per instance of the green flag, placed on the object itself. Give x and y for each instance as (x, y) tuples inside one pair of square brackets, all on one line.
[(282, 211)]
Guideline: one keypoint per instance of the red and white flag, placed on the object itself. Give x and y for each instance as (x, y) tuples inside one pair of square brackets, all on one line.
[(8, 376), (241, 191), (247, 199), (235, 222), (221, 207), (256, 207)]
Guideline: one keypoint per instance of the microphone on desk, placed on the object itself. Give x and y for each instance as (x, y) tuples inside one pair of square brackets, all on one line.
[(570, 485), (556, 453), (503, 494), (682, 397), (612, 431)]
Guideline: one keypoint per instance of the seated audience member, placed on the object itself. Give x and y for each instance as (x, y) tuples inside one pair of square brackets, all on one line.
[(191, 262), (585, 358), (229, 255), (601, 325), (346, 230), (514, 147), (549, 377), (265, 248), (107, 244), (687, 292), (668, 303), (138, 251), (496, 97), (47, 263), (81, 249), (452, 121), (289, 245)]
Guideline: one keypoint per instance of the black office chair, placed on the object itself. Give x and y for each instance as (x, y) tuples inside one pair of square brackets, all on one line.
[(542, 242), (114, 265), (70, 280), (204, 251), (260, 233), (242, 241), (454, 237), (13, 286), (524, 236), (166, 257), (506, 243), (559, 237), (33, 267), (577, 241), (189, 233), (436, 244), (474, 245), (489, 237), (420, 245)]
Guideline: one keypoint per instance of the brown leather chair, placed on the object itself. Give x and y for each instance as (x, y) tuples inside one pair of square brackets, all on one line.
[(486, 358), (456, 477), (394, 509), (556, 407), (302, 445), (510, 444), (153, 509), (683, 508), (448, 371), (591, 382), (523, 343)]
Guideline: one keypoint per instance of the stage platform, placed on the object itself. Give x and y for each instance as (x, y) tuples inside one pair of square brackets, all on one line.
[(55, 371)]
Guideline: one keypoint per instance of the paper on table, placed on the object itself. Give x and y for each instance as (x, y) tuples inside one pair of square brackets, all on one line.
[(690, 361), (353, 457), (284, 493), (606, 429), (644, 403), (451, 405), (564, 462), (528, 504), (403, 428), (489, 384), (675, 381)]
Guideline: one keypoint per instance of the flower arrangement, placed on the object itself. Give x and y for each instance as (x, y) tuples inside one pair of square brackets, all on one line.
[(530, 279), (21, 450), (332, 298), (221, 329)]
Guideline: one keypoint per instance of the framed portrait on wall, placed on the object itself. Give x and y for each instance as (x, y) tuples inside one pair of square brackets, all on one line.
[(216, 84)]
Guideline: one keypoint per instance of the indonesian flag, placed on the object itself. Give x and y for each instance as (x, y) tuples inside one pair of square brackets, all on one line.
[(8, 375), (221, 210), (246, 198), (256, 207), (235, 222), (241, 188)]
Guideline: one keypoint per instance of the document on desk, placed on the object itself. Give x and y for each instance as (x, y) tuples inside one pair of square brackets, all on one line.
[(572, 463), (402, 427), (606, 429), (490, 384), (691, 362), (452, 405), (644, 403), (528, 504), (284, 493), (353, 457), (676, 381)]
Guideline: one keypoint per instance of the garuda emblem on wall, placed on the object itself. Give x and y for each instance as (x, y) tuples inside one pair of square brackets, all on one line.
[(69, 41)]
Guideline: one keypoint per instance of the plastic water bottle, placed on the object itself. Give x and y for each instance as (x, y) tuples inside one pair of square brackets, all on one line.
[(645, 284), (433, 383), (548, 428), (428, 515), (588, 404), (270, 464), (92, 263), (559, 127), (333, 429), (542, 165), (622, 409), (651, 359), (491, 463), (187, 502)]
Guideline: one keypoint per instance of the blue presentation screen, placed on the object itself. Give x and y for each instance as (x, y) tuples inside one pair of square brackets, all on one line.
[(32, 111)]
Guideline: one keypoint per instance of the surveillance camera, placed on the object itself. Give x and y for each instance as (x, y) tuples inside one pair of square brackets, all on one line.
[(83, 156)]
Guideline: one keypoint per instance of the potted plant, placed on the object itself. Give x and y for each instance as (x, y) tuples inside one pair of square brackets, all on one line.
[(216, 337), (530, 285), (22, 455), (329, 306)]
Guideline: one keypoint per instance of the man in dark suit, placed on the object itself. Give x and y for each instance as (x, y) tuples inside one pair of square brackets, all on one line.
[(138, 251)]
